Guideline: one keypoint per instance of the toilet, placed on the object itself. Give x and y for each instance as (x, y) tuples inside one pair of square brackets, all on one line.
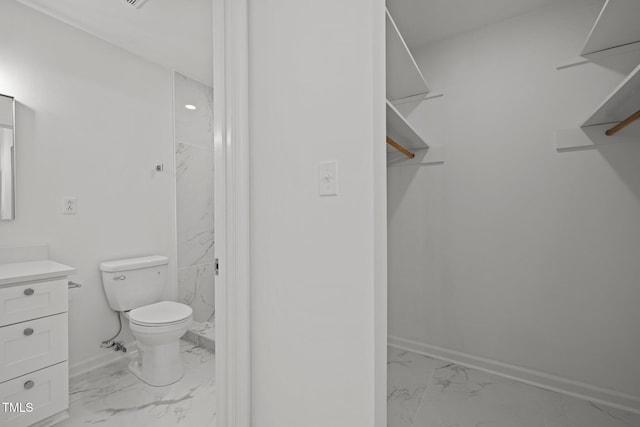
[(135, 286)]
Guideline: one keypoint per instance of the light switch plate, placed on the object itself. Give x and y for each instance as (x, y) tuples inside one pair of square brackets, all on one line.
[(328, 178)]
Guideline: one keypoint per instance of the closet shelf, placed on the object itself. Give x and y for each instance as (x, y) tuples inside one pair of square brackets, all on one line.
[(617, 25), (404, 78), (621, 104), (401, 132)]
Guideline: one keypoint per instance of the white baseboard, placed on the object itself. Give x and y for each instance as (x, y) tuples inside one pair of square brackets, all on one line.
[(555, 383), (106, 357)]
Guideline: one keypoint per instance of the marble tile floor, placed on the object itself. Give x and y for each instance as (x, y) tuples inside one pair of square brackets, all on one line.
[(202, 334), (112, 396), (425, 392)]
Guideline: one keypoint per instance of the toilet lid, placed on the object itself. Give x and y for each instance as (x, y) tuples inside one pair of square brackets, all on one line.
[(160, 313)]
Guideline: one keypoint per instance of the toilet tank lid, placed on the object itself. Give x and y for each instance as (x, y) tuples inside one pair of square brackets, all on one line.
[(133, 263)]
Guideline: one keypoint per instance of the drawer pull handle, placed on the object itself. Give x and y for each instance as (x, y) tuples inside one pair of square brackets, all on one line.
[(29, 385), (28, 291), (28, 331)]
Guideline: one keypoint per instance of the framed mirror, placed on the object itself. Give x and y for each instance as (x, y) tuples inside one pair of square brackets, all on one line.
[(7, 157)]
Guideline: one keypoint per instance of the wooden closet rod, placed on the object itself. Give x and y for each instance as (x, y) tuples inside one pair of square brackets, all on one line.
[(400, 148), (623, 124)]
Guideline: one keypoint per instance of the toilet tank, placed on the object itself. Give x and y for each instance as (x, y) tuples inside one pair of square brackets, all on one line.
[(134, 282)]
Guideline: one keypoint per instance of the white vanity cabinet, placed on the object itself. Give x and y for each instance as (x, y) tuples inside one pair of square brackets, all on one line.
[(34, 370)]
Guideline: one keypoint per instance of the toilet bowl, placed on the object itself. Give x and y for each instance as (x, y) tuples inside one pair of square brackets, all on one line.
[(135, 287), (157, 329)]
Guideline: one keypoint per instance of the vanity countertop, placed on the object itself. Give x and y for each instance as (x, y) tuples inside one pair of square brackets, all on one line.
[(17, 272)]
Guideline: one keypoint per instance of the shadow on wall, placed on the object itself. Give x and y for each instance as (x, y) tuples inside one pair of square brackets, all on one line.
[(621, 62), (398, 188), (625, 160), (621, 151), (401, 183)]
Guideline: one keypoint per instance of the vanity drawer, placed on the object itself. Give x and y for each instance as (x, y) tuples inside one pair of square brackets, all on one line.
[(47, 390), (32, 345), (23, 302)]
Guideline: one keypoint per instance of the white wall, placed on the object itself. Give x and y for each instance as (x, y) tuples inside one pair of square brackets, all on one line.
[(92, 122), (513, 251), (317, 94)]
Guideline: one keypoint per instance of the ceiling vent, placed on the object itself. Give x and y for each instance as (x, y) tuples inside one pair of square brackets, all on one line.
[(137, 3)]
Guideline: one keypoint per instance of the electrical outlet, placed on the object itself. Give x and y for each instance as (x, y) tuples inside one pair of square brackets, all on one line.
[(69, 206)]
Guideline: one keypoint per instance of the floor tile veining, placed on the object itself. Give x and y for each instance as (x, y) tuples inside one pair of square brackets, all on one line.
[(112, 396), (425, 392), (408, 377)]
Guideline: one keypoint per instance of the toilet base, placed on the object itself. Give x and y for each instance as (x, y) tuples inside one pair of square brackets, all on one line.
[(158, 366)]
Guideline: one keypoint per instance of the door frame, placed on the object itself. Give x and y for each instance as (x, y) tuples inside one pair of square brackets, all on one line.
[(232, 215)]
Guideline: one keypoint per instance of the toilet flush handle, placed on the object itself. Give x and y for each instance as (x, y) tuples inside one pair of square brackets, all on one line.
[(122, 277)]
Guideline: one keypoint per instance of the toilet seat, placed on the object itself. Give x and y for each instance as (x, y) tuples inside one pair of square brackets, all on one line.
[(164, 313)]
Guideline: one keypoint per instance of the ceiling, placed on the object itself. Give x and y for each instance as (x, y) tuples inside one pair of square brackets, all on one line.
[(425, 21), (176, 34)]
